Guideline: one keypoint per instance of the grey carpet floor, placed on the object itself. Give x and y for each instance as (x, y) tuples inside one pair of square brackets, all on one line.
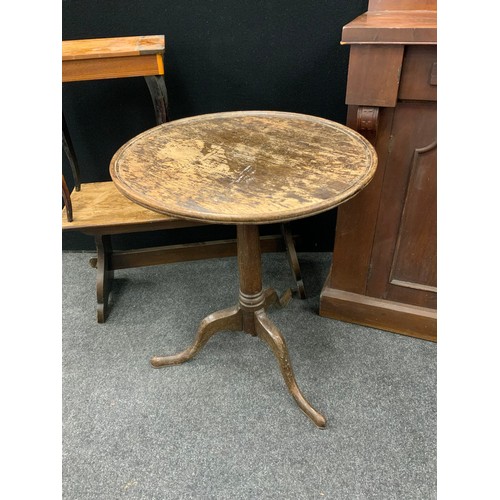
[(223, 426)]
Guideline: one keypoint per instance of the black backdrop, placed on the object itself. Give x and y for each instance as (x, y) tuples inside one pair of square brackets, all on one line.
[(220, 55)]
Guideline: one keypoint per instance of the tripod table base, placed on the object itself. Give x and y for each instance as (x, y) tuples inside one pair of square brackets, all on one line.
[(244, 317)]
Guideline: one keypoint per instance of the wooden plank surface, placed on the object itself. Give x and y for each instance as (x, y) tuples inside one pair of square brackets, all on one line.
[(247, 167), (99, 204), (105, 58), (97, 48)]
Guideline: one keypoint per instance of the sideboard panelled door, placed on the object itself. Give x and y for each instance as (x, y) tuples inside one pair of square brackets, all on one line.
[(403, 265)]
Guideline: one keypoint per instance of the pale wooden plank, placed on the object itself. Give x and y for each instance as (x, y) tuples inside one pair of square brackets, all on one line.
[(95, 48), (100, 204)]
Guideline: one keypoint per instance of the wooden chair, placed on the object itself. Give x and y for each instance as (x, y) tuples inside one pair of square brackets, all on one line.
[(97, 208)]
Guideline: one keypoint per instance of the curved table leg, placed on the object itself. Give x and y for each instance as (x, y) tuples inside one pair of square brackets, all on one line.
[(269, 333), (227, 319)]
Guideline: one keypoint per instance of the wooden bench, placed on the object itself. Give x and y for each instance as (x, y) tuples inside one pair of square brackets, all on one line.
[(97, 208)]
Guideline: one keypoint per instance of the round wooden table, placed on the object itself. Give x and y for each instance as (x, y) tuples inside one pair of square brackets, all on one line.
[(245, 168)]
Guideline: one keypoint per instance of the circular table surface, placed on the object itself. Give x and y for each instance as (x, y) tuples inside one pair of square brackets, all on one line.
[(244, 167)]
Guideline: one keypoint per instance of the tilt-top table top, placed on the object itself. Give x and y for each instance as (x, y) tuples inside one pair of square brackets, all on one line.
[(244, 167)]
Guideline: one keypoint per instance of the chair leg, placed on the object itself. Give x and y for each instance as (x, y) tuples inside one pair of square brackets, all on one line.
[(70, 153), (293, 259), (104, 275), (67, 200), (158, 91)]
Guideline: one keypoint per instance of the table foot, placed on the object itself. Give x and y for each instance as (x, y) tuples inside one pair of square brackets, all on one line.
[(227, 319), (269, 332)]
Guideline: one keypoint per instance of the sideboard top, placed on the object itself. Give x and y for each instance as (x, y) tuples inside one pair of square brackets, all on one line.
[(402, 4), (412, 27)]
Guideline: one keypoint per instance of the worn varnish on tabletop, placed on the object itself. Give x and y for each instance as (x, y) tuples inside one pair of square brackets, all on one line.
[(244, 167)]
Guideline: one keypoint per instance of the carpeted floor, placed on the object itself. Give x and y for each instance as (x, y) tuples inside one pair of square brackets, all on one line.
[(223, 426)]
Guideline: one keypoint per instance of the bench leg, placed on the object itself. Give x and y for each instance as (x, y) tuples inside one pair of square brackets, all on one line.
[(293, 259), (158, 91), (104, 275)]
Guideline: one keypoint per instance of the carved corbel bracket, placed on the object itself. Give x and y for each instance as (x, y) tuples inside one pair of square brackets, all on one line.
[(367, 121)]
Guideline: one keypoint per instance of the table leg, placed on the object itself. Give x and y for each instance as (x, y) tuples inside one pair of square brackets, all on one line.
[(227, 319), (249, 315), (269, 333)]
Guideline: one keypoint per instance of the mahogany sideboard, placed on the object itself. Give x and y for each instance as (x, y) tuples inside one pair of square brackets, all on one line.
[(383, 271)]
